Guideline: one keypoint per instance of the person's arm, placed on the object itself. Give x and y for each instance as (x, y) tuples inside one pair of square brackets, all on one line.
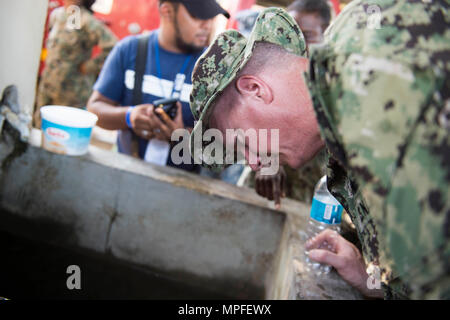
[(331, 248), (271, 187), (167, 126), (111, 116), (109, 90), (401, 173), (105, 39)]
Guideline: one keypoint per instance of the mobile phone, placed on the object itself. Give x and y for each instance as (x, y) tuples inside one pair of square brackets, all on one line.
[(168, 105)]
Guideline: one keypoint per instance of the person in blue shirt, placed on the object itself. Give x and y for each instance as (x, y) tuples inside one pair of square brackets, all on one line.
[(173, 49)]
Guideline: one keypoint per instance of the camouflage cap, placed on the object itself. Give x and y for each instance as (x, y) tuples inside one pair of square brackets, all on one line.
[(226, 56)]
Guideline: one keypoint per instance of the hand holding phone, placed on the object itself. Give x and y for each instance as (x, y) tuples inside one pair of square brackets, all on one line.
[(168, 105), (166, 118)]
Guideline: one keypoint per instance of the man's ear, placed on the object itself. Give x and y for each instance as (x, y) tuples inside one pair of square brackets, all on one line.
[(166, 10), (254, 87)]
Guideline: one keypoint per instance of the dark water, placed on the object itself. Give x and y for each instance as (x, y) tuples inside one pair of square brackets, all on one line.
[(31, 270)]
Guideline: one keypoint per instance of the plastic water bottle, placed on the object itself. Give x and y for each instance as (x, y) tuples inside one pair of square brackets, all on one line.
[(326, 213)]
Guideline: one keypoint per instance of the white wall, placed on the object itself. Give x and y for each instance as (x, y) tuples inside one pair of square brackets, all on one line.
[(22, 25)]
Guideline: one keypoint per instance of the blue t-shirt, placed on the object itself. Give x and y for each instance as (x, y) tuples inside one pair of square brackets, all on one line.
[(116, 82)]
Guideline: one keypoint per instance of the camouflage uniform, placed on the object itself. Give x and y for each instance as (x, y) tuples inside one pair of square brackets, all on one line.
[(382, 102), (62, 83), (381, 97)]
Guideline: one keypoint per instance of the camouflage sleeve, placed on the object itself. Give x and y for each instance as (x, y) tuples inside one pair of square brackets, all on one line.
[(399, 155), (386, 96), (417, 206), (105, 39)]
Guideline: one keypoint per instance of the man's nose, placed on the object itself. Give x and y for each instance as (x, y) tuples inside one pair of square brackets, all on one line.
[(207, 24)]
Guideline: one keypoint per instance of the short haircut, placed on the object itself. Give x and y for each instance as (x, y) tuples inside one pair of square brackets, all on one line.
[(322, 7), (265, 54)]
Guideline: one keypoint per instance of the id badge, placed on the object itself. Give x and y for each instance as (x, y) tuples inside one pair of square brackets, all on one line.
[(178, 85)]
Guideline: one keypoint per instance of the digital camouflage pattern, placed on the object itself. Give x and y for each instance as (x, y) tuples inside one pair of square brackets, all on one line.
[(381, 97), (381, 90), (227, 55), (62, 83)]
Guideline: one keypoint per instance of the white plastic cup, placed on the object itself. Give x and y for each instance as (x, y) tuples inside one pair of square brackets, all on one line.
[(66, 130)]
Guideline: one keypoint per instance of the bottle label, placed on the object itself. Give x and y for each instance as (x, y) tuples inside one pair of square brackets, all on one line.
[(326, 213)]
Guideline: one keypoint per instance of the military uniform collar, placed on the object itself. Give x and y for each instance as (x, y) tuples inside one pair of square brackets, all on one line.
[(318, 81)]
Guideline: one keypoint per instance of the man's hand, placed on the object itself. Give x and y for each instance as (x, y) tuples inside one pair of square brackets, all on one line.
[(271, 187), (163, 129), (331, 248), (141, 122), (147, 125)]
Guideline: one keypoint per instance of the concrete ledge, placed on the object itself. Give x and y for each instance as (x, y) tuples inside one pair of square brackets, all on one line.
[(184, 227), (177, 223)]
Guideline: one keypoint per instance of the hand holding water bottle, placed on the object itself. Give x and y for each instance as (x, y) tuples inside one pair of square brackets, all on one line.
[(331, 248), (326, 248), (326, 214)]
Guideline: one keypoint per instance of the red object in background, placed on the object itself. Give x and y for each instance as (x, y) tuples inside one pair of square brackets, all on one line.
[(142, 15), (235, 8), (336, 7), (136, 12)]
